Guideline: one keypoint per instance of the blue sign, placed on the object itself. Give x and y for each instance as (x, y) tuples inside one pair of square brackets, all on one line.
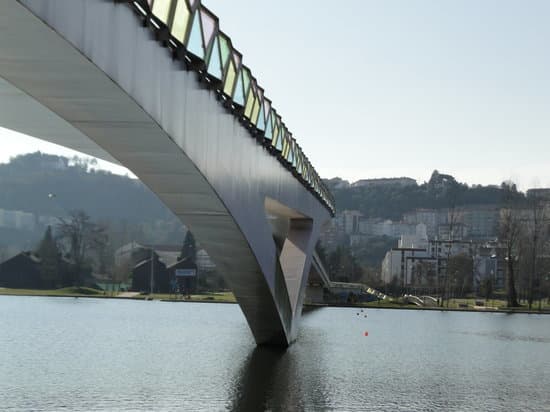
[(186, 273)]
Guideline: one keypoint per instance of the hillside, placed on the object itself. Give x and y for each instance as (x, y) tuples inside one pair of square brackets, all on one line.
[(27, 180), (441, 191), (46, 187)]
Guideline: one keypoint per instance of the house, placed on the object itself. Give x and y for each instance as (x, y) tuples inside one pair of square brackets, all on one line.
[(21, 271), (141, 276)]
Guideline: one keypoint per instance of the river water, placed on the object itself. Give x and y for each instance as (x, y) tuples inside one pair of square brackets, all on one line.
[(117, 355)]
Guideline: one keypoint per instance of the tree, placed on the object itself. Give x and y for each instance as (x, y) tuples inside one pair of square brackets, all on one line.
[(189, 248), (460, 268), (50, 260), (81, 236), (510, 234), (343, 266), (537, 223)]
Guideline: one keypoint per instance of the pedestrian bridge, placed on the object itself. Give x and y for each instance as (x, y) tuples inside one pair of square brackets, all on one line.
[(155, 86)]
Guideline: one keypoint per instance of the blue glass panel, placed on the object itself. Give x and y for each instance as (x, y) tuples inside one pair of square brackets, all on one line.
[(269, 129), (194, 44), (261, 120), (279, 145), (238, 95), (214, 66)]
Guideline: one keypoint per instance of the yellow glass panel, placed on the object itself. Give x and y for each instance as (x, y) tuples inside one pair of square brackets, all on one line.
[(255, 111), (249, 105), (181, 21), (230, 79), (161, 9)]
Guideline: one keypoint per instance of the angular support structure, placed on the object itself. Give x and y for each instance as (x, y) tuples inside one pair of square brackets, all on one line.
[(87, 75)]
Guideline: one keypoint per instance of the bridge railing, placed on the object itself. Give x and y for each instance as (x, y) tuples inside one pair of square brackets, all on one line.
[(192, 33)]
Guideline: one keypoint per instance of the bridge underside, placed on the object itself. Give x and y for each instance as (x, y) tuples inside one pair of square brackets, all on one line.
[(86, 75)]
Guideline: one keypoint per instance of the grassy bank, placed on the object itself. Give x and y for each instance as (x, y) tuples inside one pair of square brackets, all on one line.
[(495, 305), (72, 291), (225, 297)]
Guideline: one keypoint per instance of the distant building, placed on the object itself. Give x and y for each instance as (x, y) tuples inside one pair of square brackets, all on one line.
[(420, 262), (337, 183), (350, 221), (397, 181), (141, 276), (22, 271), (469, 222), (17, 219), (541, 193)]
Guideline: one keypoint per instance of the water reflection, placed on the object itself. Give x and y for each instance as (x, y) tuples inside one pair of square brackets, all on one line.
[(254, 384), (125, 355)]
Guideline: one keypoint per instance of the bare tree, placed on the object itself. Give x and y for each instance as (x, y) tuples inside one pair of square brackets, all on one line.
[(454, 216), (82, 236), (510, 235), (537, 223)]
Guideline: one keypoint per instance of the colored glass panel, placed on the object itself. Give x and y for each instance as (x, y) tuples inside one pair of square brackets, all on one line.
[(181, 21), (249, 105), (214, 65), (269, 129), (161, 9), (275, 134), (194, 44), (224, 48), (208, 26), (255, 111), (246, 80), (236, 59), (229, 79), (261, 119), (238, 95), (279, 144), (267, 106)]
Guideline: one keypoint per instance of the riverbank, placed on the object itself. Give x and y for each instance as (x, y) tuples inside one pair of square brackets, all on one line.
[(84, 292), (455, 305)]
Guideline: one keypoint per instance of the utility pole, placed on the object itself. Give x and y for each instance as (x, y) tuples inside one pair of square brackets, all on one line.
[(152, 280)]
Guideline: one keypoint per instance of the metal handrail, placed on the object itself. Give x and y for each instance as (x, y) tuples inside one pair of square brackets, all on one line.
[(192, 33)]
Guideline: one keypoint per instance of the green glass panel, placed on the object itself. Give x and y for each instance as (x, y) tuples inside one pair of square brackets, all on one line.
[(214, 65), (194, 44), (229, 79), (161, 9), (238, 95), (225, 49), (181, 21), (246, 80)]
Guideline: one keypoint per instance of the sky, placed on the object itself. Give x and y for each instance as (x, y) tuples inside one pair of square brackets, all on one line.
[(399, 87)]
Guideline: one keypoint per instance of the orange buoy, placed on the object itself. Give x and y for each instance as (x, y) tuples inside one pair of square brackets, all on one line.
[(366, 333)]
